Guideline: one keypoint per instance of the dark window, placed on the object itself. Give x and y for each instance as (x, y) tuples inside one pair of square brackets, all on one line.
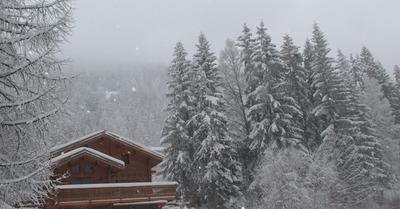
[(88, 169), (75, 169), (87, 181), (125, 158), (76, 181)]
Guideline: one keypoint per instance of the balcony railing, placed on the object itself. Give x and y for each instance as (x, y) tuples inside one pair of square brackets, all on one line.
[(81, 195)]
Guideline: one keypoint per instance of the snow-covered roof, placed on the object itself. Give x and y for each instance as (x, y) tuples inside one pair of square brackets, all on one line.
[(115, 136), (111, 185), (158, 149), (89, 151)]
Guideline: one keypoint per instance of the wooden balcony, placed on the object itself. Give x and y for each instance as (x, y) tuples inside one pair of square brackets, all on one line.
[(85, 195)]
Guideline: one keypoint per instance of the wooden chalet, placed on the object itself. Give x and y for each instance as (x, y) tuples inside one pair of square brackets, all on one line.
[(105, 169)]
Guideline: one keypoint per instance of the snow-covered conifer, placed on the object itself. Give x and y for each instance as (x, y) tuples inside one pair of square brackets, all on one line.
[(297, 87), (356, 74), (374, 69), (246, 44), (177, 131), (270, 106), (344, 126), (215, 158)]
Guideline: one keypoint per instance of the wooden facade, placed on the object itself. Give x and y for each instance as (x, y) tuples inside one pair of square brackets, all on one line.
[(104, 169)]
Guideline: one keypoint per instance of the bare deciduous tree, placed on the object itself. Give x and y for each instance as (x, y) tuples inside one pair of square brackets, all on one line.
[(30, 84)]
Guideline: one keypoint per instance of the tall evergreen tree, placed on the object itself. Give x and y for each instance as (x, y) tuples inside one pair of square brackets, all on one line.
[(311, 123), (265, 85), (260, 100), (246, 44), (297, 88), (323, 79), (356, 74), (177, 132), (368, 174), (215, 158), (271, 108), (344, 127), (375, 70)]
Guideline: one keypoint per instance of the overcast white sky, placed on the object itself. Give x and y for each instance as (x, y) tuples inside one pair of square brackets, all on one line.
[(113, 32)]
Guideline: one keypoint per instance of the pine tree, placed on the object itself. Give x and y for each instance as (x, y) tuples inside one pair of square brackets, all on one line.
[(311, 123), (344, 127), (367, 175), (263, 91), (356, 74), (215, 160), (323, 79), (375, 70), (271, 107), (177, 132), (246, 44), (297, 88)]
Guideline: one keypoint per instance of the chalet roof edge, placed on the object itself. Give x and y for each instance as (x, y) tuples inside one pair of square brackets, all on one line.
[(109, 185), (75, 141), (90, 151), (95, 134)]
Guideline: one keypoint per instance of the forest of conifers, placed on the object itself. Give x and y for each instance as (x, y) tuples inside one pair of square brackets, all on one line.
[(288, 126)]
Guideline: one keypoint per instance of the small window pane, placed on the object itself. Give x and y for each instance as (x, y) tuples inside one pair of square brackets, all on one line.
[(76, 181), (87, 181), (88, 169), (125, 158), (75, 169)]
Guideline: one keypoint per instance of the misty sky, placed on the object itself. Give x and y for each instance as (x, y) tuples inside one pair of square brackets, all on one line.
[(119, 32)]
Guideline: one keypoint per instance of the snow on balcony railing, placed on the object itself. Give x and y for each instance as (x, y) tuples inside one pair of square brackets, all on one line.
[(88, 194)]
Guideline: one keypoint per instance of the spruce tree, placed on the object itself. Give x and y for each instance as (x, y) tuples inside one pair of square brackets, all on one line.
[(265, 91), (345, 129), (375, 70), (297, 88), (246, 43), (323, 79), (215, 160), (356, 74), (310, 131), (177, 131), (271, 107), (367, 174)]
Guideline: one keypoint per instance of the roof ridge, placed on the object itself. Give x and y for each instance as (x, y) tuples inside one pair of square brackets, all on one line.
[(90, 151), (117, 136)]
